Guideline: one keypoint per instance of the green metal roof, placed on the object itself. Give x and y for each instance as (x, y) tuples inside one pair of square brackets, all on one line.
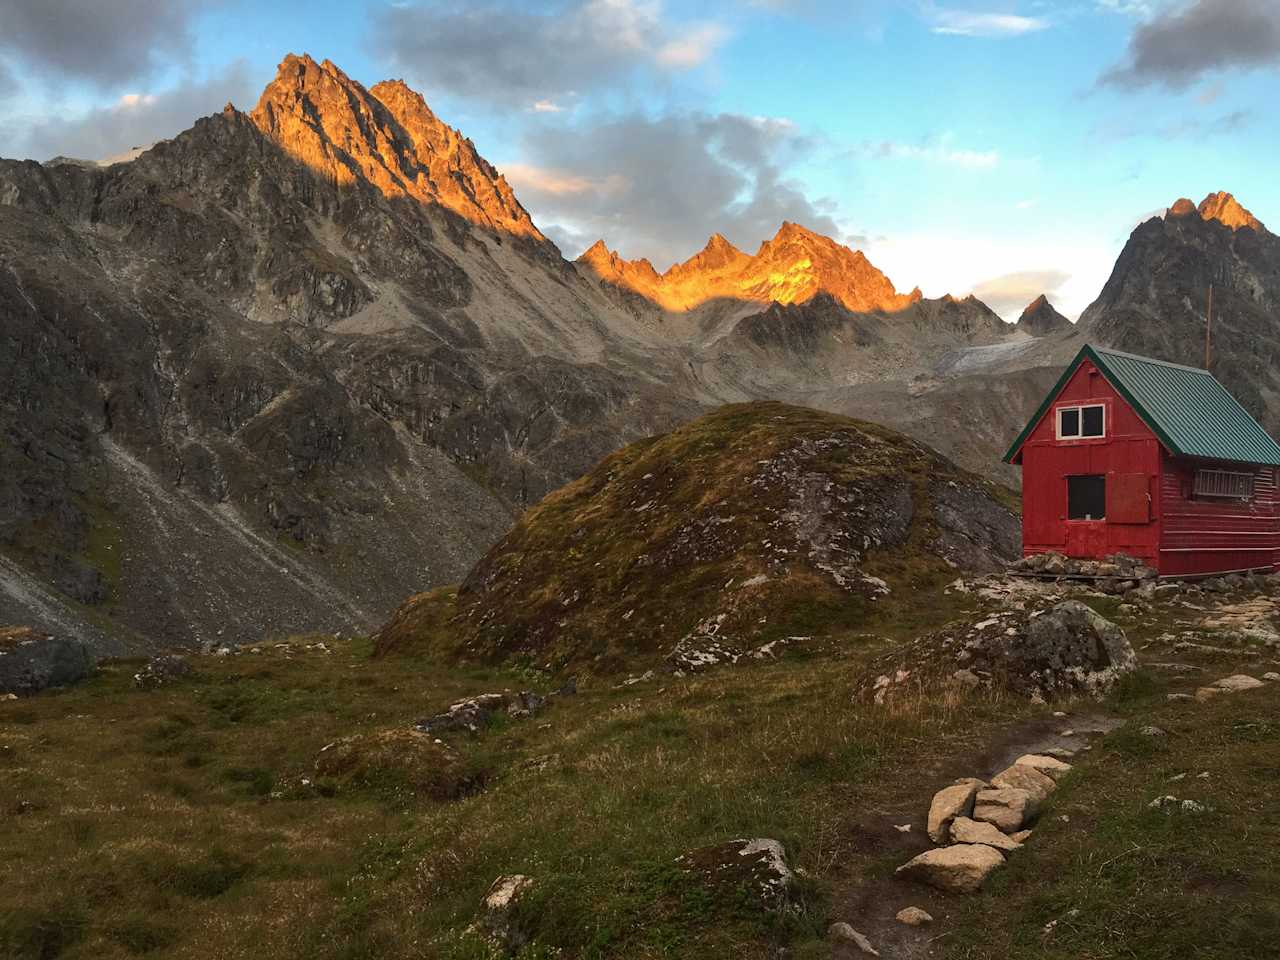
[(1190, 411)]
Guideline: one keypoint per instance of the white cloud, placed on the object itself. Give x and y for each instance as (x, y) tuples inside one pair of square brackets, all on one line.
[(546, 106), (969, 23), (938, 151), (560, 183), (692, 49), (1009, 293), (1026, 204)]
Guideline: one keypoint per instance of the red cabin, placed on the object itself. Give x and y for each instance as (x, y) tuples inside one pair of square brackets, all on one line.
[(1153, 460)]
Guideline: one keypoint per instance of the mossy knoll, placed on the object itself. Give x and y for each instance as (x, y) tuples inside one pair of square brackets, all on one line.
[(754, 522)]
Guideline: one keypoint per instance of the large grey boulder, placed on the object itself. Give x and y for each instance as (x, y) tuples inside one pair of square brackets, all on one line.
[(31, 661), (1064, 650)]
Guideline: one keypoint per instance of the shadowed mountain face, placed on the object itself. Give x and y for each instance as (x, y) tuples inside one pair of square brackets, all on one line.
[(1157, 298), (280, 371), (1040, 318)]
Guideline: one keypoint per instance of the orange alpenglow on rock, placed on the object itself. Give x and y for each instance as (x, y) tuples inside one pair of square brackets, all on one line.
[(388, 136), (1220, 206), (793, 267)]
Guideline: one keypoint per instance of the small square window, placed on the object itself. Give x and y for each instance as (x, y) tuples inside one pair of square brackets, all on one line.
[(1087, 498), (1075, 423), (1069, 422)]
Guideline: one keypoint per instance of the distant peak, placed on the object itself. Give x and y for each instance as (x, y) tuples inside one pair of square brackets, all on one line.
[(597, 251), (1224, 208), (1040, 318)]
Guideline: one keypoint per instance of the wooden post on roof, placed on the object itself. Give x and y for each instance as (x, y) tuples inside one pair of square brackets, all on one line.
[(1208, 331)]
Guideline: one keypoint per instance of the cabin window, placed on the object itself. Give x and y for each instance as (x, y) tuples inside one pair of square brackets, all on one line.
[(1075, 423), (1087, 498), (1223, 484)]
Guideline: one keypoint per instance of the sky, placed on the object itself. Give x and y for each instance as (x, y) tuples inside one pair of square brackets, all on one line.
[(1000, 147)]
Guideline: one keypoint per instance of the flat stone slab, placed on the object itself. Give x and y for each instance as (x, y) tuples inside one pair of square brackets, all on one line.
[(960, 868), (1051, 767), (964, 830)]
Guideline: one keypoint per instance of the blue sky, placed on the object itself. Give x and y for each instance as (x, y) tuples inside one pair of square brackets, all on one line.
[(994, 146)]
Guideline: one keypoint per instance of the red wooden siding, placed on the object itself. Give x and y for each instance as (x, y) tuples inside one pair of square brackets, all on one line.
[(1128, 455), (1204, 535)]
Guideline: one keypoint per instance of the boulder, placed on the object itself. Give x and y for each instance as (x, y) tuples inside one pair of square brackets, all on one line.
[(755, 866), (964, 830), (499, 922), (1007, 808), (949, 803), (1064, 650), (1232, 684), (475, 712), (913, 917), (1238, 682), (1051, 767), (31, 661), (1022, 777), (960, 868)]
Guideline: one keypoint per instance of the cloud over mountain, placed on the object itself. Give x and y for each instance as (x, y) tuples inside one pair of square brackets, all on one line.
[(1012, 291), (664, 184), (135, 119)]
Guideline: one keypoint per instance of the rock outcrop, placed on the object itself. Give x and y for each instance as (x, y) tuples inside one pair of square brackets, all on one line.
[(31, 661), (1064, 650)]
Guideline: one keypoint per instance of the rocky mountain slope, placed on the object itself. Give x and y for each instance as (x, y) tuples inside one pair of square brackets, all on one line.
[(1157, 298), (752, 524), (275, 373)]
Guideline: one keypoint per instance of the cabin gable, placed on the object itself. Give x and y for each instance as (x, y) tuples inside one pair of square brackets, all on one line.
[(1150, 459)]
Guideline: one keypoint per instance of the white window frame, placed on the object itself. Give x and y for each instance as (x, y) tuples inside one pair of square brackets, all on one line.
[(1080, 408)]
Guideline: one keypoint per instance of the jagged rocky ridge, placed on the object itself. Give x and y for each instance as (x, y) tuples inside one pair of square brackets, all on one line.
[(287, 367)]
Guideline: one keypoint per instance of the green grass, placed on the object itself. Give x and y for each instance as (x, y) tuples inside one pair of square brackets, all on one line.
[(190, 820)]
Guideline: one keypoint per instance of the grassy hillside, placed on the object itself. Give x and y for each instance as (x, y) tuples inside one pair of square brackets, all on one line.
[(191, 821), (755, 522)]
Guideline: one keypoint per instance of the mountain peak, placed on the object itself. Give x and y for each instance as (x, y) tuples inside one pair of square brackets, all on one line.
[(1040, 318), (1224, 208), (388, 138)]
